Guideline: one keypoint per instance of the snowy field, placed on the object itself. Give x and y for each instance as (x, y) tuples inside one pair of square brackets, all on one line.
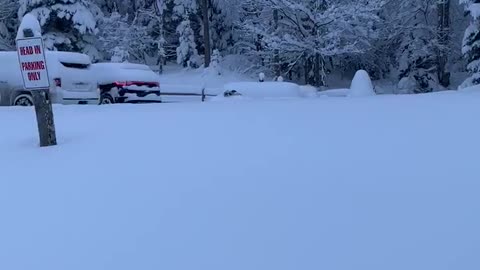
[(369, 183)]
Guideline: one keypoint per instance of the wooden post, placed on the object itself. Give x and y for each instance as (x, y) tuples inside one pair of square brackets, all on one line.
[(35, 77), (45, 120)]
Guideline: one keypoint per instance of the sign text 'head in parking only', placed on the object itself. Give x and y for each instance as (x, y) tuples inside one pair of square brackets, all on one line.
[(33, 66)]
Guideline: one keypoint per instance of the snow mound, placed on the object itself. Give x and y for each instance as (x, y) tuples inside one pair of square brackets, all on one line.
[(361, 85), (29, 22), (265, 89)]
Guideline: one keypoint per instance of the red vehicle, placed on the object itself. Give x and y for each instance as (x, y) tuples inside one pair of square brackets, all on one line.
[(126, 83)]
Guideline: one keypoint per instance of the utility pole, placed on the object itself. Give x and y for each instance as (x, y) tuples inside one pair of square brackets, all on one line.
[(33, 66)]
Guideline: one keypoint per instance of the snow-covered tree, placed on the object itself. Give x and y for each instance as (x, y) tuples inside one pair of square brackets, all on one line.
[(124, 39), (304, 33), (184, 7), (471, 42), (187, 54), (224, 15), (115, 36), (413, 36), (8, 24), (67, 24)]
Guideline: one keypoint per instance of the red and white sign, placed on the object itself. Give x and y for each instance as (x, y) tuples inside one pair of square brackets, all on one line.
[(32, 63)]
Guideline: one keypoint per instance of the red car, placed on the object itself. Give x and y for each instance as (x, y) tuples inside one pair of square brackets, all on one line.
[(126, 83)]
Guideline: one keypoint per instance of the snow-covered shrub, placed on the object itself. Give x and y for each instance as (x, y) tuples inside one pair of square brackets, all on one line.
[(406, 85), (215, 62), (261, 77)]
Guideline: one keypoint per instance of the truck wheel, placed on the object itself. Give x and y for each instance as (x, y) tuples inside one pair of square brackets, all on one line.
[(106, 99), (23, 100)]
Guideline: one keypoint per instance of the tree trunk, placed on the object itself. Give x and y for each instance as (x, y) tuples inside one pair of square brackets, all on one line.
[(206, 32), (443, 7), (316, 70), (45, 121), (276, 54), (320, 75)]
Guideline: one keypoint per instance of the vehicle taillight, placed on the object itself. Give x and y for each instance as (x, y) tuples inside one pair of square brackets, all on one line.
[(149, 84), (58, 82), (123, 84), (120, 84)]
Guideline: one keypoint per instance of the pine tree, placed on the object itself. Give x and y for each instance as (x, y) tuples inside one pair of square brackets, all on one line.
[(114, 35), (67, 25), (471, 42), (125, 39), (187, 54), (8, 24), (418, 47)]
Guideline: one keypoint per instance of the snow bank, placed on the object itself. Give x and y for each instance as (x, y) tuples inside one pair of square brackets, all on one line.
[(249, 185), (265, 89), (361, 85)]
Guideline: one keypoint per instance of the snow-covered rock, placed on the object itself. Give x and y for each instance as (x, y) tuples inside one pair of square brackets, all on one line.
[(361, 85)]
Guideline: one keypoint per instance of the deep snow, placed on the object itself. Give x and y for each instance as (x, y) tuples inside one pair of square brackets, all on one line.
[(370, 183)]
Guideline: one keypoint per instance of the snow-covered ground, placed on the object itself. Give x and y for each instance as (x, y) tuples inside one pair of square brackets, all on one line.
[(368, 183), (178, 80)]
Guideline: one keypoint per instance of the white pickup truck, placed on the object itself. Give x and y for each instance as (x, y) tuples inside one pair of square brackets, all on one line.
[(71, 79)]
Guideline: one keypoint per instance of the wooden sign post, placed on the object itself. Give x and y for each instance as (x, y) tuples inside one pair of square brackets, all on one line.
[(33, 66)]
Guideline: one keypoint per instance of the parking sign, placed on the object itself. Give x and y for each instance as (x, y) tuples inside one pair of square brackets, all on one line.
[(33, 65)]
